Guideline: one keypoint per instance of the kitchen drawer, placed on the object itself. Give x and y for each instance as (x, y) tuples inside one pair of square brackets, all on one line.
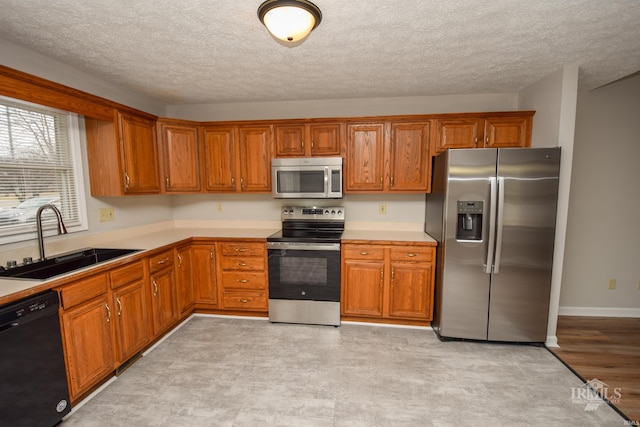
[(160, 261), (127, 274), (245, 300), (258, 249), (412, 253), (83, 290), (242, 263), (362, 252), (244, 280)]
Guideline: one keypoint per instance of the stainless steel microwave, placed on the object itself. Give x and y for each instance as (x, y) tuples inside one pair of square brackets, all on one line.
[(307, 178)]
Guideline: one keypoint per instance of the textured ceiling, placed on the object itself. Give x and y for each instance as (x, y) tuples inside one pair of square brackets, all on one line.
[(216, 51)]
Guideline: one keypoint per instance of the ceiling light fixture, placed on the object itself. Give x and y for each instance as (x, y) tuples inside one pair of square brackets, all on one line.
[(290, 21)]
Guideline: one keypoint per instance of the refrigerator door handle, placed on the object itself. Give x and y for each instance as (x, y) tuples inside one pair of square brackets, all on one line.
[(488, 266), (499, 225)]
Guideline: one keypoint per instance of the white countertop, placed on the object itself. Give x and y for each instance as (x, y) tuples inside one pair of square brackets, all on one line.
[(158, 235)]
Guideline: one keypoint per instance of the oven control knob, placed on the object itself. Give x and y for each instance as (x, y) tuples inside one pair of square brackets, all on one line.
[(333, 212), (339, 212), (326, 212)]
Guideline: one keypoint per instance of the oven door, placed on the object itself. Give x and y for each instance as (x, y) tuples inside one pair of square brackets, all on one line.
[(304, 271)]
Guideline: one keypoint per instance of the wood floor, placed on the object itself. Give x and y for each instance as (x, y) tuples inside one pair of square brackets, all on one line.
[(605, 348)]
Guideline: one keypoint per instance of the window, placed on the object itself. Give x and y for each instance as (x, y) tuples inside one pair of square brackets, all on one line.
[(39, 164)]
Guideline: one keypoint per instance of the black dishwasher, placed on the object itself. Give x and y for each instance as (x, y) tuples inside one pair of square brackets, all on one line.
[(33, 382)]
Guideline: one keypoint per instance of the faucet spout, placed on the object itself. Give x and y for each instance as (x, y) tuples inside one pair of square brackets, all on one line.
[(61, 227)]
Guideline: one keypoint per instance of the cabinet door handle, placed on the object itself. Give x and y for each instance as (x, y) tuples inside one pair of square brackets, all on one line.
[(241, 182), (166, 180), (108, 313), (233, 180), (393, 273), (302, 144), (382, 275), (412, 254), (155, 288), (211, 254), (127, 181), (179, 261), (381, 180), (243, 280), (364, 253), (119, 306), (392, 180)]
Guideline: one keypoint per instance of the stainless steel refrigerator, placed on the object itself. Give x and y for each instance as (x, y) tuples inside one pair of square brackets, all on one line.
[(492, 212)]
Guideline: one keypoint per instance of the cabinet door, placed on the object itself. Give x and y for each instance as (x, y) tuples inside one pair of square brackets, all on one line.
[(204, 274), (132, 321), (325, 139), (362, 288), (255, 159), (87, 332), (163, 301), (411, 291), (139, 154), (365, 157), (184, 278), (507, 132), (289, 141), (410, 161), (457, 133), (180, 158), (220, 161)]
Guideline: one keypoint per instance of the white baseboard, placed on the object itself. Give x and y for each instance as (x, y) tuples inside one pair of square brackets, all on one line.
[(599, 311)]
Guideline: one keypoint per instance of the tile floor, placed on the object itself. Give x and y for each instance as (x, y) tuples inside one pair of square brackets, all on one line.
[(236, 372)]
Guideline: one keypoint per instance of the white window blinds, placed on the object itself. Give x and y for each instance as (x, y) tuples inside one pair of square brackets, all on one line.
[(37, 166)]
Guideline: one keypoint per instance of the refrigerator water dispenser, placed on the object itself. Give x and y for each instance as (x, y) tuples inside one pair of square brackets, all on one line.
[(469, 220)]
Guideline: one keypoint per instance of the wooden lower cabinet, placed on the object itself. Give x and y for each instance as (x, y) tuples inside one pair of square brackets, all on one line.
[(87, 319), (184, 280), (242, 270), (388, 282), (204, 275), (164, 307), (129, 302)]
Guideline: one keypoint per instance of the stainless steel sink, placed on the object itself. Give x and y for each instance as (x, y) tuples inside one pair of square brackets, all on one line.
[(63, 264)]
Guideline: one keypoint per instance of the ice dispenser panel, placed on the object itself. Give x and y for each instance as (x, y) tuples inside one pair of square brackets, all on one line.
[(469, 220)]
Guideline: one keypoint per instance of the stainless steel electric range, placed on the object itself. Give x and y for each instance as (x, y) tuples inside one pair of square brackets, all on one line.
[(304, 266)]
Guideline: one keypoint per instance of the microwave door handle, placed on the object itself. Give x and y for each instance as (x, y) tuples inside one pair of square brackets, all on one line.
[(327, 172)]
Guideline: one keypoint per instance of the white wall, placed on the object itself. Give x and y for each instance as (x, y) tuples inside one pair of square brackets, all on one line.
[(554, 99), (603, 233)]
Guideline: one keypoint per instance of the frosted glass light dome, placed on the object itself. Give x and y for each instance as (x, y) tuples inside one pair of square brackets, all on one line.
[(289, 20)]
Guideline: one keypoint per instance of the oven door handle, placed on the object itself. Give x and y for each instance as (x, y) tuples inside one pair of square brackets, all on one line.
[(303, 246)]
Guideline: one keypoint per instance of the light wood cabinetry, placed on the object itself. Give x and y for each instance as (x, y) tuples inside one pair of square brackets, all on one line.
[(180, 155), (388, 157), (184, 279), (129, 302), (308, 140), (237, 158), (387, 282), (204, 275), (86, 319), (242, 273), (122, 155), (162, 280), (483, 131)]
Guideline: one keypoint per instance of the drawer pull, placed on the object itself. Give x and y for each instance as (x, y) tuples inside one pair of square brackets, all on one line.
[(241, 250), (244, 300), (412, 254), (163, 260), (243, 280), (242, 264), (364, 253)]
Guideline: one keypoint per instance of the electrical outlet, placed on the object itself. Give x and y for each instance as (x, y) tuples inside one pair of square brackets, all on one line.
[(382, 208), (106, 214), (612, 283), (219, 207)]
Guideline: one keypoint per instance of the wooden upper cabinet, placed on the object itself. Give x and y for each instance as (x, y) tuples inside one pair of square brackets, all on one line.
[(508, 132), (364, 169), (180, 156), (409, 157), (511, 129), (122, 155), (139, 154), (307, 140), (220, 158), (255, 158)]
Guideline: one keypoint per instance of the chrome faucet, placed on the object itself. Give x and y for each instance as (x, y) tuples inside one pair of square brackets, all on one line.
[(61, 228)]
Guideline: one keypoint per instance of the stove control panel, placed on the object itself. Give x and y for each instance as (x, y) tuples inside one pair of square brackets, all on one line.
[(326, 213)]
